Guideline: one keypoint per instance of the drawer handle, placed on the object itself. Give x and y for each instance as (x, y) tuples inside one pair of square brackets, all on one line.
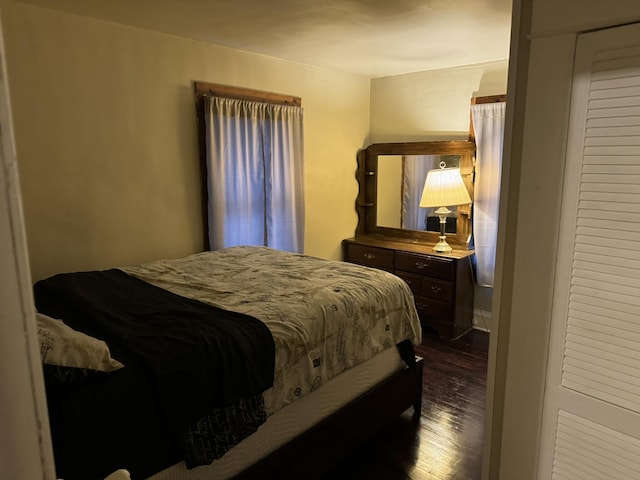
[(369, 256), (421, 265), (435, 289)]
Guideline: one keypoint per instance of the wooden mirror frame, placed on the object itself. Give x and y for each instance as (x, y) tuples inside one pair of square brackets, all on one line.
[(367, 200)]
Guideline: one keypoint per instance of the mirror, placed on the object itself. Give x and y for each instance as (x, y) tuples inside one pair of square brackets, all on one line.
[(391, 178)]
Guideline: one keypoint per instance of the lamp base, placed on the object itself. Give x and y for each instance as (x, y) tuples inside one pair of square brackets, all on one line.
[(442, 246)]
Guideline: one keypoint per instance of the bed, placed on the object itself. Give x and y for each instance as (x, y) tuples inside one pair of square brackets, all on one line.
[(322, 358)]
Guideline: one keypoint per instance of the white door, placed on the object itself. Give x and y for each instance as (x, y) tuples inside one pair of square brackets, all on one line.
[(591, 415)]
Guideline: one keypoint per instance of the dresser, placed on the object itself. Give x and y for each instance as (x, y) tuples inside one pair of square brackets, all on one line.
[(442, 284)]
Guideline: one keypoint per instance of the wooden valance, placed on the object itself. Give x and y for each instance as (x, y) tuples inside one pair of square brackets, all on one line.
[(227, 91)]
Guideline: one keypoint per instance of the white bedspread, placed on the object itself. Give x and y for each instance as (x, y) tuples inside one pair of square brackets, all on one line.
[(325, 316)]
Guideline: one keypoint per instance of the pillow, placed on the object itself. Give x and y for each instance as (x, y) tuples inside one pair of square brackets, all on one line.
[(70, 356)]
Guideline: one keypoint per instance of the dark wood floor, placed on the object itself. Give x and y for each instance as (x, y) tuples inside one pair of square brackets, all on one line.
[(446, 444)]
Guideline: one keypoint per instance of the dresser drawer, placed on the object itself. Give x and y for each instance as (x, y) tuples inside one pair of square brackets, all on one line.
[(437, 289), (434, 309), (371, 256), (428, 287), (414, 281), (425, 265)]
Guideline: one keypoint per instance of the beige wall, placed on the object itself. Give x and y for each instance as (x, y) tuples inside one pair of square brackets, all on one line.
[(106, 139), (431, 105), (435, 105)]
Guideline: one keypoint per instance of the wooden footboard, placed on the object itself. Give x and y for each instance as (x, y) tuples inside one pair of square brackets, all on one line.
[(317, 450)]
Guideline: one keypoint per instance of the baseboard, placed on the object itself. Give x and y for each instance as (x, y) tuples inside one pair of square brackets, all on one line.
[(482, 320)]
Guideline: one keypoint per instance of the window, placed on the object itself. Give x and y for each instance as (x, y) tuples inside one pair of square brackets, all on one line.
[(252, 163)]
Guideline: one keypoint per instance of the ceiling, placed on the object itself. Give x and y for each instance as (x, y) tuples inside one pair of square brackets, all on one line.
[(369, 37)]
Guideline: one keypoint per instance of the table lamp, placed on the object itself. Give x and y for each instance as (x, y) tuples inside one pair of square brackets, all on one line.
[(444, 187)]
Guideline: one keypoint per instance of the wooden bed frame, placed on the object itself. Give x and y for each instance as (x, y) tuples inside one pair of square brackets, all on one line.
[(317, 450)]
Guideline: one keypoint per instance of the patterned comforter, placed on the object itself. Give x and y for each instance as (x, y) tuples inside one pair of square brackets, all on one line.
[(325, 316)]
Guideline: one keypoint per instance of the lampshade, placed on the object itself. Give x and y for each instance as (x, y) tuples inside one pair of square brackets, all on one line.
[(444, 187)]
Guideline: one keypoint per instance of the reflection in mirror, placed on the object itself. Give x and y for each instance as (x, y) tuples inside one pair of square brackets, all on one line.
[(400, 183)]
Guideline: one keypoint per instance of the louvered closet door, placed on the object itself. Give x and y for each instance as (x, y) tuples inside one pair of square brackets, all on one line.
[(591, 420)]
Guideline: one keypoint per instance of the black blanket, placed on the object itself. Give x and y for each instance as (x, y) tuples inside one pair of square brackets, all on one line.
[(199, 356)]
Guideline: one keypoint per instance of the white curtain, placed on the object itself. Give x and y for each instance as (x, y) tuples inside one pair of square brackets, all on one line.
[(255, 174), (414, 175), (488, 124)]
